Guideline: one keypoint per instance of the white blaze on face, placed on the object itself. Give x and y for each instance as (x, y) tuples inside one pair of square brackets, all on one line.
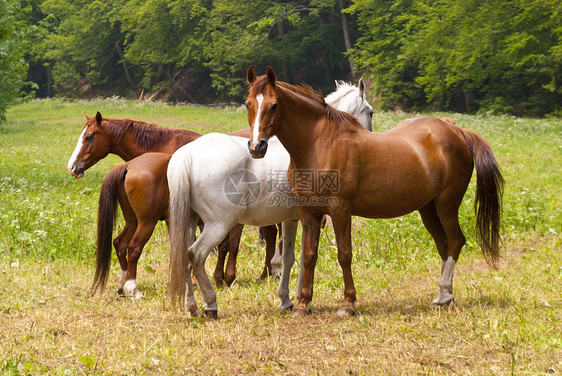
[(76, 151), (256, 131)]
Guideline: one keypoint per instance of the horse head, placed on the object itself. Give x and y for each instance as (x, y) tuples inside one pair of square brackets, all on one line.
[(351, 99), (263, 116), (93, 145)]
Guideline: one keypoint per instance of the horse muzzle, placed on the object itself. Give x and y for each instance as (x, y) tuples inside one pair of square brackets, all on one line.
[(258, 151), (76, 171)]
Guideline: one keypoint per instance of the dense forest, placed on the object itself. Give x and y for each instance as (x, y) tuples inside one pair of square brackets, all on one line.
[(501, 56)]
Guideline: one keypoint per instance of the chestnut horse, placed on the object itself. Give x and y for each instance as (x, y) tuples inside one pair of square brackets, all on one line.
[(129, 139), (424, 165)]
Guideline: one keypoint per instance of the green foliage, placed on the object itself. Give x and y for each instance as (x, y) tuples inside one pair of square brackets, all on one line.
[(469, 56), (196, 50), (464, 55), (81, 45), (13, 68)]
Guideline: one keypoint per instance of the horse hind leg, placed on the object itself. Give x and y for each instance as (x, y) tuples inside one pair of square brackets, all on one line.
[(211, 236), (449, 246), (433, 225), (139, 240), (121, 244)]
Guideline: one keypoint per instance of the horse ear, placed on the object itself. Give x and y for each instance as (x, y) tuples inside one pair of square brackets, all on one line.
[(98, 118), (361, 86), (251, 74), (271, 76), (337, 84), (87, 117)]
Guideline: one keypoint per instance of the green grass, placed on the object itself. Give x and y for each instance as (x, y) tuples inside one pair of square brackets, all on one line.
[(504, 322)]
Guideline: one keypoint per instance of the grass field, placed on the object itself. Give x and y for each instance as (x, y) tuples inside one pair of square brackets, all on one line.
[(505, 321)]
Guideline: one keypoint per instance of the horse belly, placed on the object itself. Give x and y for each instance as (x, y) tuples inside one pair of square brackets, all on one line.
[(398, 195), (391, 209), (269, 210)]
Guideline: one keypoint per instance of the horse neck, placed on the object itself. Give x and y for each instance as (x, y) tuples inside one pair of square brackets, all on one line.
[(127, 147), (301, 130)]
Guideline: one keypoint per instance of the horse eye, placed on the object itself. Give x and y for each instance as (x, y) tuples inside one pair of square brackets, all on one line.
[(247, 105), (274, 107), (88, 137)]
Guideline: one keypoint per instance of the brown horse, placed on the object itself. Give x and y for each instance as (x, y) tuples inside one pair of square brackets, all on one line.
[(126, 138), (424, 165), (142, 194)]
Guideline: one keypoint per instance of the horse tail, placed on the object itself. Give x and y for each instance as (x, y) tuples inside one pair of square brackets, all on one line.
[(489, 191), (107, 211), (180, 229)]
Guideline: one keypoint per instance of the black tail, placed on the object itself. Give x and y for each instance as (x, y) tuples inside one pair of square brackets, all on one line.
[(107, 211), (489, 191)]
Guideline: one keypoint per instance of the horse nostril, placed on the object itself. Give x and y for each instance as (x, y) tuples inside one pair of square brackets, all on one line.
[(262, 146)]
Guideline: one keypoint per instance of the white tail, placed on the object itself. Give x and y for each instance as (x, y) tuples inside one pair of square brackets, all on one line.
[(180, 228)]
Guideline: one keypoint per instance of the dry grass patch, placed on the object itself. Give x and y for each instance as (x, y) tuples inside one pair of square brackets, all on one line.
[(505, 321)]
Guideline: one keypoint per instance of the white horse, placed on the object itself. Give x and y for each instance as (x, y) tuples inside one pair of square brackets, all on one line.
[(351, 99), (214, 178)]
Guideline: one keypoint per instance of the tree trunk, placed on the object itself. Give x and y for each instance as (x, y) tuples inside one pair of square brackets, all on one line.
[(124, 64), (347, 39)]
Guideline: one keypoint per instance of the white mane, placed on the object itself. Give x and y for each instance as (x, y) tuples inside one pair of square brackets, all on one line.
[(342, 91), (351, 99)]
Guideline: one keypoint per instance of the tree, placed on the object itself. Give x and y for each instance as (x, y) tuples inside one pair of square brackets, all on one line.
[(463, 55), (84, 45), (13, 67)]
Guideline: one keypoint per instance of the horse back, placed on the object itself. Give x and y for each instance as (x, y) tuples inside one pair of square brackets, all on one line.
[(395, 172)]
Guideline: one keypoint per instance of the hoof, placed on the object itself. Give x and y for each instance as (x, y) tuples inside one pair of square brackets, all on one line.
[(287, 308), (120, 292), (443, 303), (219, 281), (212, 314), (297, 312), (346, 312)]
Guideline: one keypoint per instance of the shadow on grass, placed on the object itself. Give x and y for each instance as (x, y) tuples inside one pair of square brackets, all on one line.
[(416, 305)]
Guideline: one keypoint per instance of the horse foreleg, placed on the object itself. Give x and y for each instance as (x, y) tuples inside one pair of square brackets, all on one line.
[(218, 274), (270, 236), (310, 238), (341, 221), (289, 234), (233, 247)]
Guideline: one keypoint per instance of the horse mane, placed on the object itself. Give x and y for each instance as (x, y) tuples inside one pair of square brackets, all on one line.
[(305, 90), (147, 135), (342, 119), (344, 88), (259, 85)]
